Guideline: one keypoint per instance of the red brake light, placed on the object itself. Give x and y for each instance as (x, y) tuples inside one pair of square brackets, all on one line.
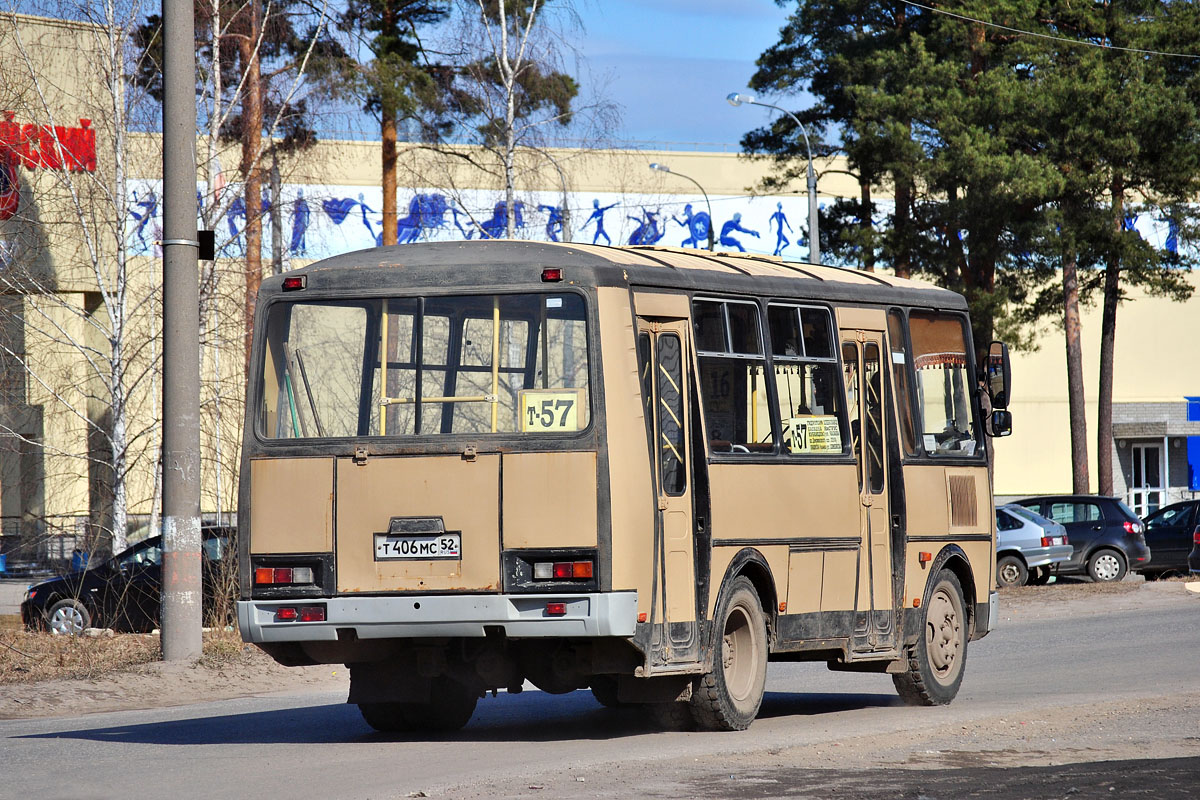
[(552, 274), (1133, 528), (285, 614), (1196, 535), (556, 609), (562, 569), (293, 283), (312, 614)]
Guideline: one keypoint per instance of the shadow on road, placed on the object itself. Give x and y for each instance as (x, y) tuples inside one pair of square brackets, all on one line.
[(530, 717)]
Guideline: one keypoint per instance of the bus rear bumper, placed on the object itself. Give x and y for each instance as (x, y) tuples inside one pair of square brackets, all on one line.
[(410, 617)]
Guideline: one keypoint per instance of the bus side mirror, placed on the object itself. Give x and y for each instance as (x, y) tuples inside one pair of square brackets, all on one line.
[(1001, 423), (999, 375)]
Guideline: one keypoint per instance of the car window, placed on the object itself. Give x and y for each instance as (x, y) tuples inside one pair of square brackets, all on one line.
[(141, 556), (214, 548), (1127, 512), (1074, 512), (1175, 515), (1006, 521)]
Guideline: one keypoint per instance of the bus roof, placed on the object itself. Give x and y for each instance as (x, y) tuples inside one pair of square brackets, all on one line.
[(510, 262)]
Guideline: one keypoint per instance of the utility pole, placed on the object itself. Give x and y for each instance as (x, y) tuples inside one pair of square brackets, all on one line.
[(181, 622)]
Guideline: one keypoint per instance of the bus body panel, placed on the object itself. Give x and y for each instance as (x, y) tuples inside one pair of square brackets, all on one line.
[(293, 505), (631, 483), (549, 499), (463, 493)]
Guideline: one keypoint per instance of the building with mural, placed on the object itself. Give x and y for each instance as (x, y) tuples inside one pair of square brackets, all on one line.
[(65, 241)]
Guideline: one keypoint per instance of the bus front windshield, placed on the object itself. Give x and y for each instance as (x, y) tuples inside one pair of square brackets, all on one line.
[(419, 366)]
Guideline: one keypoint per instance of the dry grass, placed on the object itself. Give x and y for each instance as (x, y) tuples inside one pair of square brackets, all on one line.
[(27, 657), (1071, 589)]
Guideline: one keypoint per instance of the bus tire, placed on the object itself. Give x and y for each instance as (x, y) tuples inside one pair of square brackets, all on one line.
[(386, 717), (728, 697), (935, 662), (604, 689)]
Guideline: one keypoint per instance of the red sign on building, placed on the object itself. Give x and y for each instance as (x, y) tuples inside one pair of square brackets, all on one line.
[(49, 146)]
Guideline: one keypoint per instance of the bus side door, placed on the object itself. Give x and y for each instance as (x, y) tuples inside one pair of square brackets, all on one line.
[(875, 617), (664, 357)]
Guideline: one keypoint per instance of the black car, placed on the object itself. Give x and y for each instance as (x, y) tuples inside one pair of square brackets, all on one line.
[(1171, 534), (1108, 538), (125, 591)]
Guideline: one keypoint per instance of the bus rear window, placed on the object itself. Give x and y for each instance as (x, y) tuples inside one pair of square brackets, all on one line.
[(464, 364)]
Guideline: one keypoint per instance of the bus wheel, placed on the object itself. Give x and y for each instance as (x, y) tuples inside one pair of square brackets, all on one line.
[(386, 717), (604, 689), (728, 698), (935, 663)]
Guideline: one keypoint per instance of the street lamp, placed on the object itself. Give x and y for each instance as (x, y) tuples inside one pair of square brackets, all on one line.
[(665, 168), (814, 237)]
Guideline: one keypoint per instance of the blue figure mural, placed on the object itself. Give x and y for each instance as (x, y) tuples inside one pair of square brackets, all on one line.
[(338, 208), (780, 219), (647, 231), (467, 234), (426, 212), (554, 221), (494, 227), (697, 227), (598, 216), (149, 207), (300, 215), (1172, 243), (729, 227), (236, 209)]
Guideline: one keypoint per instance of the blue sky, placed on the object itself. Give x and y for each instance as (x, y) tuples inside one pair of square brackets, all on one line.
[(670, 63)]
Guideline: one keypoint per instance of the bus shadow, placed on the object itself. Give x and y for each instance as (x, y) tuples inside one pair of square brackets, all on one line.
[(531, 717)]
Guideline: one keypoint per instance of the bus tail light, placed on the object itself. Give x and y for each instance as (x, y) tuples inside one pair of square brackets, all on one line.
[(562, 570), (556, 609), (552, 274), (282, 576), (301, 614)]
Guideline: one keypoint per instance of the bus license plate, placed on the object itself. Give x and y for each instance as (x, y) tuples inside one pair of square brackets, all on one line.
[(417, 548)]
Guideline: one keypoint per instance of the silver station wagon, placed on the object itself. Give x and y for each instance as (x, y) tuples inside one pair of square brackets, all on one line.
[(1027, 545)]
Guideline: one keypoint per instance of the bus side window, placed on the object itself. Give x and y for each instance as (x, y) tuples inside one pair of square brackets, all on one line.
[(898, 343), (944, 384), (805, 370), (732, 372)]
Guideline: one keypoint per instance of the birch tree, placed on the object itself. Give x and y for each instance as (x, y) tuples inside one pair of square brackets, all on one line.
[(86, 312)]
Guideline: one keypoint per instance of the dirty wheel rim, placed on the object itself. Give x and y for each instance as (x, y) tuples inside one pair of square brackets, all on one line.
[(1107, 567), (943, 639), (66, 620), (739, 652), (1009, 574)]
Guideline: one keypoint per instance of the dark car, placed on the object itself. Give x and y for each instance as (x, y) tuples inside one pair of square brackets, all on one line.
[(1108, 538), (1171, 534), (125, 591)]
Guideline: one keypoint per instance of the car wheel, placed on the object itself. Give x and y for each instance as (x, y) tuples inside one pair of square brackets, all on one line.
[(935, 663), (1011, 571), (1039, 577), (68, 617), (1106, 566), (728, 697)]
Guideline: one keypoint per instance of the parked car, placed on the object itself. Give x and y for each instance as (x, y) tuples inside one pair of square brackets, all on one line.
[(1107, 538), (1027, 545), (1171, 534), (1194, 556), (125, 591)]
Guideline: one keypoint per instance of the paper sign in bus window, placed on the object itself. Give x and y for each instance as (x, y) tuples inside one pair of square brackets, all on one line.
[(816, 434), (550, 410)]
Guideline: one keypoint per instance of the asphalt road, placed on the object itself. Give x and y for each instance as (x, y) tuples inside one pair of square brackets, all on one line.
[(1091, 700)]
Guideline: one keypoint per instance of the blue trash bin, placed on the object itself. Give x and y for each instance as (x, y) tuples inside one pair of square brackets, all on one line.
[(3, 563)]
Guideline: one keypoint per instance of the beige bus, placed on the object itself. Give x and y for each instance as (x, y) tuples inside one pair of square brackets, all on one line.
[(642, 471)]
